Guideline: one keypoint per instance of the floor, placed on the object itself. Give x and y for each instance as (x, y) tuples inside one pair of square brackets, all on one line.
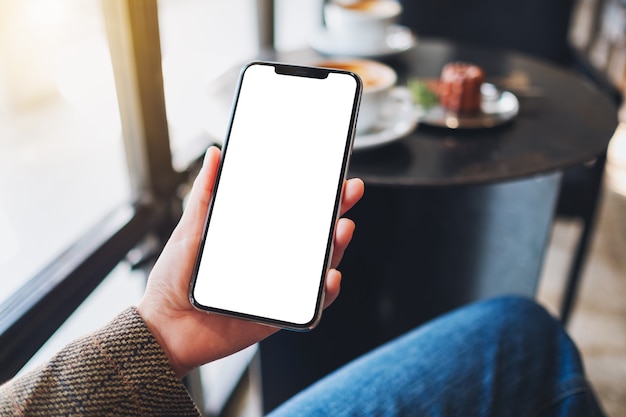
[(598, 322)]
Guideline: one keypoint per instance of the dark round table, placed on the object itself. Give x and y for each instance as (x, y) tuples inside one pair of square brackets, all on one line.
[(449, 216), (563, 121)]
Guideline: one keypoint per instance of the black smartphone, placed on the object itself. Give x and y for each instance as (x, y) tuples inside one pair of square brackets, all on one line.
[(268, 237)]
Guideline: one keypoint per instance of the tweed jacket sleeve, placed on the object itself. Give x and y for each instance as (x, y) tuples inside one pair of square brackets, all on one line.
[(120, 370)]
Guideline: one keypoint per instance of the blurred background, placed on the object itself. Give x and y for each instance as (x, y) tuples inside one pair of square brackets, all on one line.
[(63, 159)]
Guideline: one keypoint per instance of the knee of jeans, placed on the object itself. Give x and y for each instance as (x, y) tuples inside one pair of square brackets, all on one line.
[(519, 314), (523, 325)]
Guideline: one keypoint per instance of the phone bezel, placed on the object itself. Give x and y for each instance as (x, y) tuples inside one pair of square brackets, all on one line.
[(298, 71)]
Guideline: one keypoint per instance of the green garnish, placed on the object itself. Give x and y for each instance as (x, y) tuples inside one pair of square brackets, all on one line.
[(423, 95)]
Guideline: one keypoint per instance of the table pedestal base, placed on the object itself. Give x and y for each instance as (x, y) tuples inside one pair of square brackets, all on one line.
[(417, 253)]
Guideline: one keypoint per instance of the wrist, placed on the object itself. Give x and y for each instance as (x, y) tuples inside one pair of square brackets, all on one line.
[(154, 323)]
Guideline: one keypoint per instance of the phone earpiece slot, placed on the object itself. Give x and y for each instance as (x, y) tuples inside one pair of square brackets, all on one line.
[(301, 71)]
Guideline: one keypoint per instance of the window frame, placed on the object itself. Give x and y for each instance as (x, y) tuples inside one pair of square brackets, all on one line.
[(36, 310)]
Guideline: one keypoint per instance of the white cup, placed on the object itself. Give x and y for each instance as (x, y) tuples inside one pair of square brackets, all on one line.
[(378, 82), (361, 21)]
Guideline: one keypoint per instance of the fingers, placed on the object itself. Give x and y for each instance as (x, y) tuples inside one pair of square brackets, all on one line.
[(200, 194), (343, 235), (352, 193), (204, 182), (332, 286), (353, 190)]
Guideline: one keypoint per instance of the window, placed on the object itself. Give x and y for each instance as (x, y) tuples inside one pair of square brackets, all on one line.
[(200, 42), (74, 175), (62, 166)]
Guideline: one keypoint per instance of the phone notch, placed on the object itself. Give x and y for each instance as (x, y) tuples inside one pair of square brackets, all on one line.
[(298, 71)]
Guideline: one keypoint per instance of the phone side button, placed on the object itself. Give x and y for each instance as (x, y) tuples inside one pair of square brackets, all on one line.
[(354, 134)]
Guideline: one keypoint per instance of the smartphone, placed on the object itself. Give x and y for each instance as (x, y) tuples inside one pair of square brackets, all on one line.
[(268, 237)]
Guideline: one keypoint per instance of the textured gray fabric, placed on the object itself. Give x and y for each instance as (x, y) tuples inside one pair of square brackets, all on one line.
[(119, 370)]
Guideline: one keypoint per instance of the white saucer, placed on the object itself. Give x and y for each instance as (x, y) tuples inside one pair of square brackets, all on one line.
[(399, 39), (497, 107), (398, 120)]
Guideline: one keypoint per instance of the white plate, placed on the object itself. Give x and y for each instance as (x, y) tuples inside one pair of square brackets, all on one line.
[(497, 107), (399, 39), (397, 121)]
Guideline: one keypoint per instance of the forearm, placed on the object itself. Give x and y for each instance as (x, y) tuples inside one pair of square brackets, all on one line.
[(118, 370)]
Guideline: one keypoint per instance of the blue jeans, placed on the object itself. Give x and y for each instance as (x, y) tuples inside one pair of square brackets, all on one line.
[(502, 357)]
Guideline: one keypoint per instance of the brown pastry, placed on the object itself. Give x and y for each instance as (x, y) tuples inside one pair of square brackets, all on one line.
[(459, 87)]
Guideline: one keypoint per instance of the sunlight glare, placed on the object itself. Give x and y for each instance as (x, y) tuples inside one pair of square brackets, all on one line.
[(84, 78), (47, 13), (616, 161), (8, 239)]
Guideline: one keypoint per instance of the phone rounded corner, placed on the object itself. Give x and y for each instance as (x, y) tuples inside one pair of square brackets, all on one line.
[(317, 316), (314, 323), (245, 67), (250, 64), (192, 298), (359, 81), (306, 327)]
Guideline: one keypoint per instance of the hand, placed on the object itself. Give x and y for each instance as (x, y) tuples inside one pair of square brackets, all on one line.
[(191, 337)]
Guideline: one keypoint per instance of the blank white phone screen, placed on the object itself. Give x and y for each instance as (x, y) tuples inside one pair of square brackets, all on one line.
[(274, 207)]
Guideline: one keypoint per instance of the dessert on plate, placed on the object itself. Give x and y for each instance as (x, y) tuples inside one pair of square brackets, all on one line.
[(459, 87)]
